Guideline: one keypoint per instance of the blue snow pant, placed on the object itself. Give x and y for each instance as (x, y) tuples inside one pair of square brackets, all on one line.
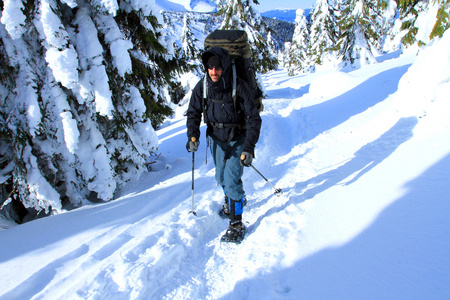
[(229, 173)]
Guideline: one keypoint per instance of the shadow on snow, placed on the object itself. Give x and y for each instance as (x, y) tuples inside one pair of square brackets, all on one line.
[(402, 254), (364, 160), (305, 124)]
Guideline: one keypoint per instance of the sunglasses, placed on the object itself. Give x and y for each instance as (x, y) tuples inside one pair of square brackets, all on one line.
[(210, 67)]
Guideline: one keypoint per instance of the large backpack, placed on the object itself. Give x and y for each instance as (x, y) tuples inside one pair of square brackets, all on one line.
[(236, 43)]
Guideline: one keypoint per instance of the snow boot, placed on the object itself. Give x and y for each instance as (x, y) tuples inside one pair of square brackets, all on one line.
[(235, 233)]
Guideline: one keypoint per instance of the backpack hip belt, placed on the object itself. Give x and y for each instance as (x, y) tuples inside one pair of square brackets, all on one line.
[(228, 125)]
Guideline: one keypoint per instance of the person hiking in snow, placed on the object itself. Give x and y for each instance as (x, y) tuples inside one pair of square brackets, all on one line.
[(233, 131)]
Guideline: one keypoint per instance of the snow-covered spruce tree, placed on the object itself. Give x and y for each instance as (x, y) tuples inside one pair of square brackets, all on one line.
[(8, 74), (284, 57), (324, 34), (299, 60), (188, 50), (361, 30), (37, 117), (241, 15), (271, 45), (86, 81)]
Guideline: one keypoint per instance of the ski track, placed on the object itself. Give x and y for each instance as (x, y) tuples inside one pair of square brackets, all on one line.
[(170, 252)]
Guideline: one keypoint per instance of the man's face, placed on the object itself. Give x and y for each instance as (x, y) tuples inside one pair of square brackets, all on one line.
[(215, 73)]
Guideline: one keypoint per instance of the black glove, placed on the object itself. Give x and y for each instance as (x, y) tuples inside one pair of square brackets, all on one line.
[(192, 144), (246, 159)]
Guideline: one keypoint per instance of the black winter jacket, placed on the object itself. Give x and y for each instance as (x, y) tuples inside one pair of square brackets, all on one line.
[(219, 107)]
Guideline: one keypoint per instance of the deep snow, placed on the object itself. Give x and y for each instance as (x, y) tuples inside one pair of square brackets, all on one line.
[(363, 159)]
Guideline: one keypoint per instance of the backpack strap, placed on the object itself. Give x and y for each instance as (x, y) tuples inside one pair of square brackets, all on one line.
[(233, 66), (205, 97), (205, 88)]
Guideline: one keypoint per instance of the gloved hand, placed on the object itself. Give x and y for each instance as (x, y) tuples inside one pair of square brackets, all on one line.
[(192, 144), (246, 159)]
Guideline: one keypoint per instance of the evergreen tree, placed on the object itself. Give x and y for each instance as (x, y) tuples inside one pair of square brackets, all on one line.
[(83, 85), (271, 44), (188, 50), (299, 60), (241, 15), (324, 33), (285, 58), (360, 32)]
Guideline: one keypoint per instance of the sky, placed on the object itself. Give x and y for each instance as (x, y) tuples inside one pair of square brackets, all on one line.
[(266, 5)]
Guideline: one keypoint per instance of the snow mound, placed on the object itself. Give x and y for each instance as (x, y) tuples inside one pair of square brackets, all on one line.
[(417, 92), (331, 84)]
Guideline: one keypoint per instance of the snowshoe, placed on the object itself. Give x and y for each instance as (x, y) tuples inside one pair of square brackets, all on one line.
[(234, 234)]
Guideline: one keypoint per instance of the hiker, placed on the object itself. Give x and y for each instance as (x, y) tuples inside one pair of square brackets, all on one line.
[(233, 130)]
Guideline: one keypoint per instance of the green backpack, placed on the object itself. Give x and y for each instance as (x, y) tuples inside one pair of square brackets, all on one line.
[(236, 43)]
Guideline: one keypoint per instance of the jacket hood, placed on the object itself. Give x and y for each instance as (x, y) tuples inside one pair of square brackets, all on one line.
[(224, 57)]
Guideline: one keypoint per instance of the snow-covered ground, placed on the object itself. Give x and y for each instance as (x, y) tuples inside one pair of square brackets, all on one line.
[(363, 159)]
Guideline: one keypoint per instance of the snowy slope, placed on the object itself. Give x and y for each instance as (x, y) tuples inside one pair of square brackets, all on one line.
[(363, 159)]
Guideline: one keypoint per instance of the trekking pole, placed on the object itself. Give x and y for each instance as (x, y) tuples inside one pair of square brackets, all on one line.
[(277, 191), (193, 139)]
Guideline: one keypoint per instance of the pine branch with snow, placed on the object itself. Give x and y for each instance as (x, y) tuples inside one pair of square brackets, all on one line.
[(415, 15), (88, 82), (442, 19)]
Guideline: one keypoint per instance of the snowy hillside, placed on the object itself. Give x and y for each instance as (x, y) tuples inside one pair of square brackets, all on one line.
[(363, 159)]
